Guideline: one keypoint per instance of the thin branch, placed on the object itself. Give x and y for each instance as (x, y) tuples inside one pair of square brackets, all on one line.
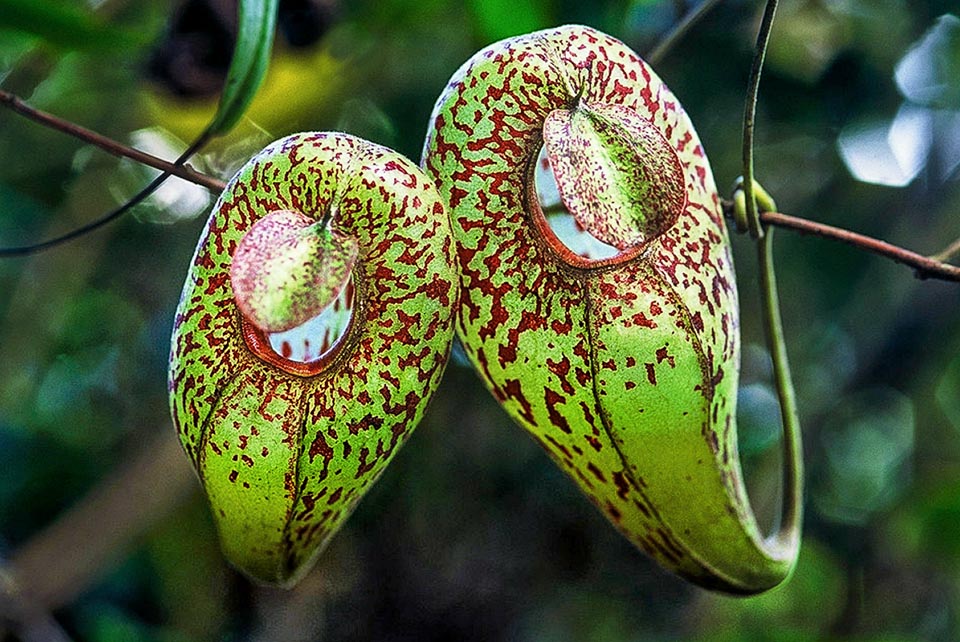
[(947, 253), (23, 618), (63, 560), (749, 116), (109, 145), (679, 31), (926, 267), (109, 217), (36, 248)]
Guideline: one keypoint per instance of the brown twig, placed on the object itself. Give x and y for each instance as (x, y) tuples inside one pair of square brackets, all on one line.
[(109, 145), (926, 267), (112, 215)]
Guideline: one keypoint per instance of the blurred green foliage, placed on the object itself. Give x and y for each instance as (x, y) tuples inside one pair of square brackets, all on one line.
[(472, 534), (65, 25)]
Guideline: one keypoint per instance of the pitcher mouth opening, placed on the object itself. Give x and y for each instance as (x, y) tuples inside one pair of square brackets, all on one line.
[(309, 348)]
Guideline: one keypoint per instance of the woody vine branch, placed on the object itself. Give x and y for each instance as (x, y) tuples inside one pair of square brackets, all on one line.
[(926, 267)]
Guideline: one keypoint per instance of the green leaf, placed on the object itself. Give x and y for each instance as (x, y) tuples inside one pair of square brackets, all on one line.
[(64, 25), (257, 24)]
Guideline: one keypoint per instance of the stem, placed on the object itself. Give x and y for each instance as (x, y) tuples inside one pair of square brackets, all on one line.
[(109, 217), (787, 537), (25, 619), (656, 55), (749, 116), (947, 253), (789, 532), (926, 267), (109, 145)]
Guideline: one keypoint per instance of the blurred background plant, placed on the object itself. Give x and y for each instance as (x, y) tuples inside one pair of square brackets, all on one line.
[(473, 534)]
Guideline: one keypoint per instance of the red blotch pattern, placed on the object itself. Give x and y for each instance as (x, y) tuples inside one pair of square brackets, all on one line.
[(285, 457), (612, 365)]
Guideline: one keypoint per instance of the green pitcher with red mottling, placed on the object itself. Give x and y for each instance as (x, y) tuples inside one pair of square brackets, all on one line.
[(624, 368), (286, 440)]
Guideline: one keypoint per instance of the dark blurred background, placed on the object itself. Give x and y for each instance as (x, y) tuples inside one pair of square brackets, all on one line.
[(472, 534)]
